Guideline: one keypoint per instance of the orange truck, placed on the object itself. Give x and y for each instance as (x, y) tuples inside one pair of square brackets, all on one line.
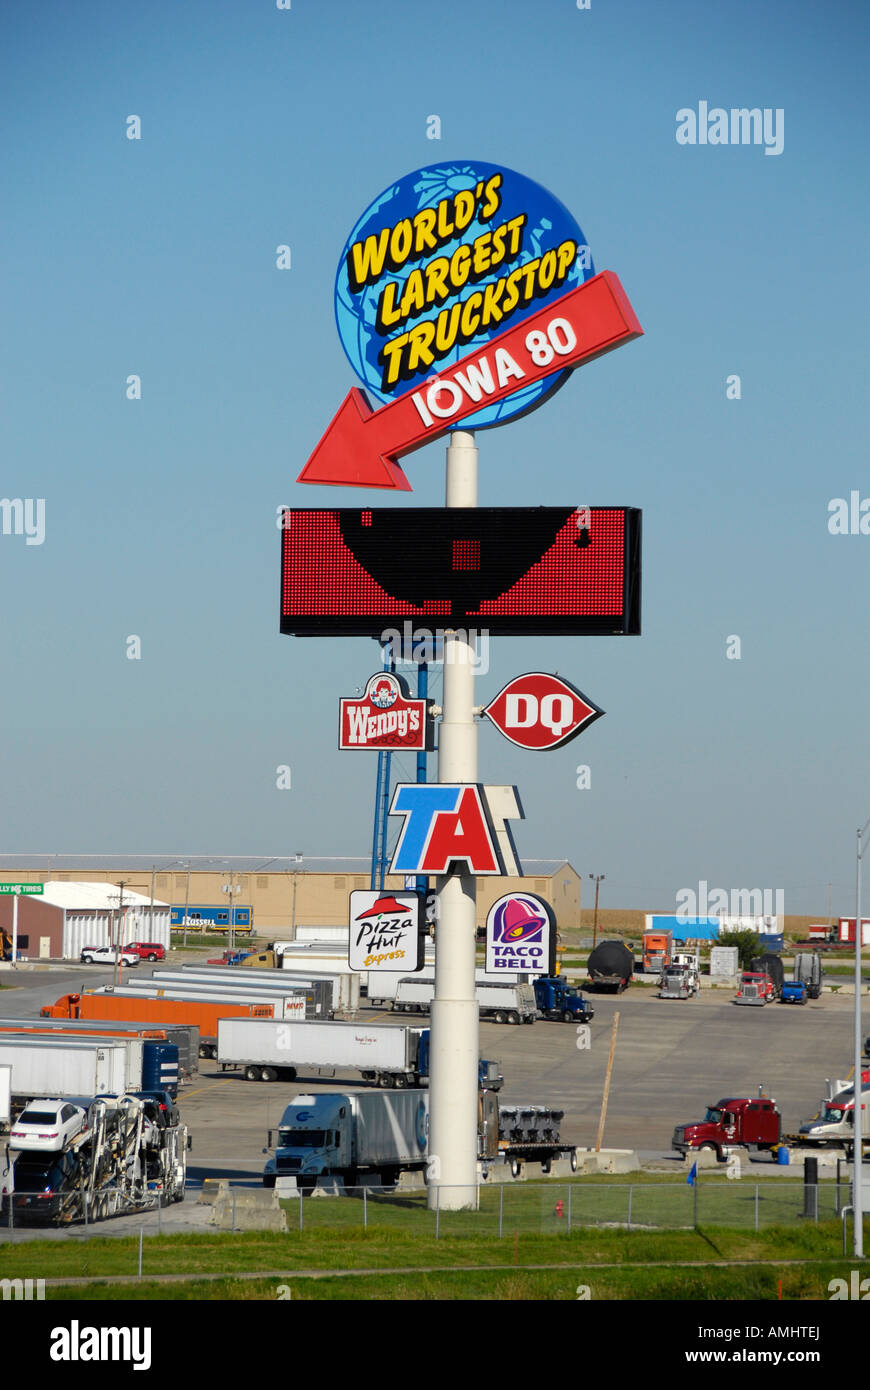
[(198, 1013), (657, 950)]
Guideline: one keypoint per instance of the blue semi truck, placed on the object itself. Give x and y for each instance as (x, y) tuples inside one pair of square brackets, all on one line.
[(557, 999)]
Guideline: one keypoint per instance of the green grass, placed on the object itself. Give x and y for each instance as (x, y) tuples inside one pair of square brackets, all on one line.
[(349, 1248)]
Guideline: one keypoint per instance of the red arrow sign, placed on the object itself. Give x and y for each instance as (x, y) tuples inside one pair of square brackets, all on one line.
[(361, 446), (541, 711)]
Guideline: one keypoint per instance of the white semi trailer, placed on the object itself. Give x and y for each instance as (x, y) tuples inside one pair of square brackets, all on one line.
[(383, 985), (501, 1003), (45, 1067), (266, 1050)]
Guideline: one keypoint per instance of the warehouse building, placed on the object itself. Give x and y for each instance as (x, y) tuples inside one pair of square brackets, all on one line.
[(280, 892), (67, 916)]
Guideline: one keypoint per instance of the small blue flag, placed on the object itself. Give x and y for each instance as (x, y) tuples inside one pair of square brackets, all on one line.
[(693, 1173)]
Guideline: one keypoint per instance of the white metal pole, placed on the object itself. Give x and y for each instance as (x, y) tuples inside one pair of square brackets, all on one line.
[(454, 1016), (857, 1125), (14, 929)]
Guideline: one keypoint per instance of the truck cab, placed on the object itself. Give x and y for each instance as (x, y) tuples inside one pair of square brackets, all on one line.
[(679, 981), (755, 987), (754, 1123), (314, 1138), (557, 999), (657, 949)]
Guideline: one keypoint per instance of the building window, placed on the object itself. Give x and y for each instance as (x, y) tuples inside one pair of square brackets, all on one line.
[(339, 883), (361, 882), (162, 880), (262, 881)]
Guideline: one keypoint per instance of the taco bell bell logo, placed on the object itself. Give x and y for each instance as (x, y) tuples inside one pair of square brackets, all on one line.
[(519, 934)]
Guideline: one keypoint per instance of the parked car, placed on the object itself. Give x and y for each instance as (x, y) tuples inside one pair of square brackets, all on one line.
[(160, 1107), (105, 955), (47, 1125), (45, 1186), (146, 950)]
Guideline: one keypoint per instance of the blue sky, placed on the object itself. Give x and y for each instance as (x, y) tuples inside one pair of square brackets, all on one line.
[(263, 127)]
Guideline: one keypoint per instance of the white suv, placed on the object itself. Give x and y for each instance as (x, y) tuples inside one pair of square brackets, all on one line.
[(105, 955), (47, 1124)]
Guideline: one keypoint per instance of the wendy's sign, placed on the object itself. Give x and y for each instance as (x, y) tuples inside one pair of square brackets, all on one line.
[(384, 717)]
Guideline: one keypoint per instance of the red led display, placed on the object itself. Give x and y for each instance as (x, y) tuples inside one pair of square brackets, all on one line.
[(512, 570)]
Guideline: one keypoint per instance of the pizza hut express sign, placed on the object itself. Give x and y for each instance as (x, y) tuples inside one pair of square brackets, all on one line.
[(384, 717)]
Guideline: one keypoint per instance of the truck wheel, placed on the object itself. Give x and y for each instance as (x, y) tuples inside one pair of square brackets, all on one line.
[(573, 1160), (268, 1179), (567, 1016), (515, 1167), (252, 1073), (513, 1016), (546, 1165), (400, 1081), (711, 1148), (269, 1074), (498, 1016), (529, 1019)]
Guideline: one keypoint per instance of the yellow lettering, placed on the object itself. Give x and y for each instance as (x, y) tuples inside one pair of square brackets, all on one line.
[(391, 356), (388, 315), (414, 298), (481, 253), (467, 327), (365, 260), (419, 341), (566, 254), (424, 238), (445, 228), (460, 264), (515, 227), (491, 199), (463, 209), (436, 279)]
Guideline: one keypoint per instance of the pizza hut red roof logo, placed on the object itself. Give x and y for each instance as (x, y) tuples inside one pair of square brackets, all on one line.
[(541, 711), (384, 717), (382, 907)]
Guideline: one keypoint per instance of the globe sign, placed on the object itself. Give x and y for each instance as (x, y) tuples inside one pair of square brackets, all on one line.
[(520, 934), (445, 259)]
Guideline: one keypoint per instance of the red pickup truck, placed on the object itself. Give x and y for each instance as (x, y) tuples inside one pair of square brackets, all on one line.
[(755, 1123), (147, 950)]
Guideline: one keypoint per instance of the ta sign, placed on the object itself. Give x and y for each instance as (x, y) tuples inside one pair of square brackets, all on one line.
[(541, 711)]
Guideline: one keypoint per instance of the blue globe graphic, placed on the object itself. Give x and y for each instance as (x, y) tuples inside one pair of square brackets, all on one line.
[(549, 223)]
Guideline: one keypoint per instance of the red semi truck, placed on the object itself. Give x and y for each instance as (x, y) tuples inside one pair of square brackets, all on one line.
[(754, 1123)]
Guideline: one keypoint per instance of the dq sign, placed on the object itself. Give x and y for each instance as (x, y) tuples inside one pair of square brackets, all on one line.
[(521, 934), (541, 711), (447, 823)]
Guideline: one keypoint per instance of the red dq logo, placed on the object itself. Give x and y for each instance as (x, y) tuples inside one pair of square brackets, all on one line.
[(540, 711)]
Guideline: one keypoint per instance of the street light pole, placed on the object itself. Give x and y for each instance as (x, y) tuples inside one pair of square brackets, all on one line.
[(858, 1093)]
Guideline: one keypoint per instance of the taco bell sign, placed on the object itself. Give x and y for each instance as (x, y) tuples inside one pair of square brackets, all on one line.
[(521, 934)]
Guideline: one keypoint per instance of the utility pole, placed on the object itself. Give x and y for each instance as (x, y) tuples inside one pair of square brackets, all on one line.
[(186, 902), (118, 932), (599, 878)]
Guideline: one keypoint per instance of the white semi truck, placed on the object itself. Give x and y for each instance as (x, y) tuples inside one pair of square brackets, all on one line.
[(371, 1137), (501, 1003), (358, 1136)]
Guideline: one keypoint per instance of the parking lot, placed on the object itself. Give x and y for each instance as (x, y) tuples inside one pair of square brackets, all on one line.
[(672, 1059)]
